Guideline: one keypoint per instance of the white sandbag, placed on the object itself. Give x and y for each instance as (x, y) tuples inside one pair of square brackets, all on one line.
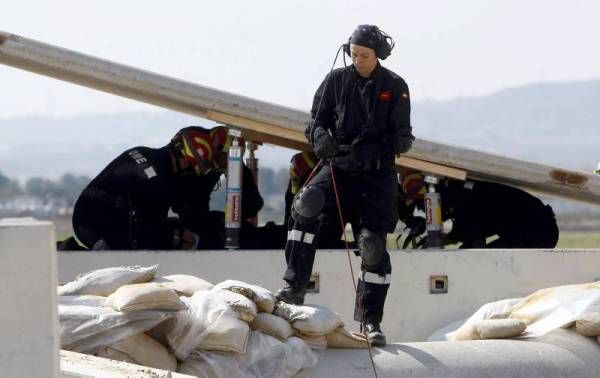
[(313, 320), (143, 350), (243, 306), (497, 310), (314, 342), (184, 284), (555, 307), (113, 354), (209, 323), (84, 329), (192, 325), (446, 333), (82, 300), (265, 357), (144, 296), (588, 325), (106, 281), (298, 356), (228, 334), (341, 338), (159, 332), (493, 310), (490, 329), (264, 299), (207, 364), (272, 325)]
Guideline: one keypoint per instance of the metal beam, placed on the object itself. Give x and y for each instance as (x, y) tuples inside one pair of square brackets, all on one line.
[(276, 124)]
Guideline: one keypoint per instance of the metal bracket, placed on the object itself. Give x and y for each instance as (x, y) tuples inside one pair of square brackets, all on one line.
[(313, 283), (438, 284)]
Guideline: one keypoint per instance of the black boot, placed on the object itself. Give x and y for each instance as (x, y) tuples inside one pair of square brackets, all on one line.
[(292, 294), (374, 334)]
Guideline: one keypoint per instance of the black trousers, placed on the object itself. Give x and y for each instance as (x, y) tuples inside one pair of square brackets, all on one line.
[(371, 197), (535, 228), (94, 221)]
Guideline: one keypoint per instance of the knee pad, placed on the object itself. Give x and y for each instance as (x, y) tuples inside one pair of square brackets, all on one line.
[(371, 246), (308, 204)]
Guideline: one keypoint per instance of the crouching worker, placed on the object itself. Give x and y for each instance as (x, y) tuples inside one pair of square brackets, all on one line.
[(360, 122), (127, 205), (479, 211)]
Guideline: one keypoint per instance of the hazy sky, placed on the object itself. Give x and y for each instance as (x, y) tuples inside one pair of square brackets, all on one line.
[(280, 50)]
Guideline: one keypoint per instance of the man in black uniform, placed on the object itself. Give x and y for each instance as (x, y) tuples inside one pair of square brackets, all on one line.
[(479, 210), (126, 206), (360, 122)]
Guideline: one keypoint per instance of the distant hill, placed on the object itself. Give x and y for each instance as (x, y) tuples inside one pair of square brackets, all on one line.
[(83, 145), (554, 123)]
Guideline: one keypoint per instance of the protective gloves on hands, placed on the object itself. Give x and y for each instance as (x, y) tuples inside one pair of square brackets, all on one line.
[(347, 159), (324, 146), (416, 227), (405, 143)]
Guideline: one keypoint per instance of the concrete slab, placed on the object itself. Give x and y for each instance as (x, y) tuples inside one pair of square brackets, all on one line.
[(28, 319)]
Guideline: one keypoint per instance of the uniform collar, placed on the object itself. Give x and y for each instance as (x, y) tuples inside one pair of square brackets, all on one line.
[(374, 73)]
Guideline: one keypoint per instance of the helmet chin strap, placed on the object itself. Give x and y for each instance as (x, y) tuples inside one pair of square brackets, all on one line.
[(175, 159)]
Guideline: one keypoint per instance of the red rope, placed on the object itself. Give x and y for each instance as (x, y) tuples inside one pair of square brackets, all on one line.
[(312, 173), (360, 308)]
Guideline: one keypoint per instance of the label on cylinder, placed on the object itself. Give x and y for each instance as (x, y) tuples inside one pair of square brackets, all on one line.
[(233, 209), (433, 212)]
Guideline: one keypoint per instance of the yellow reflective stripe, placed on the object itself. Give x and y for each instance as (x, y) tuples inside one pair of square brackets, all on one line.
[(204, 143)]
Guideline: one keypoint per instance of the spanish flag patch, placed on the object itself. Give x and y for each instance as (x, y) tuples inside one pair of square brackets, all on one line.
[(385, 96)]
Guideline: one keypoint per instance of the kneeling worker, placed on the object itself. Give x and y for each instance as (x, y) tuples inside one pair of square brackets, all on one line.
[(480, 210), (126, 206)]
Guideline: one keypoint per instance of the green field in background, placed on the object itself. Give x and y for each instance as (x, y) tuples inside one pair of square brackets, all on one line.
[(567, 239), (579, 240)]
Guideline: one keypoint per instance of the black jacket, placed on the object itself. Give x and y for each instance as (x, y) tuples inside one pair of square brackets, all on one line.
[(480, 209), (140, 187), (372, 114)]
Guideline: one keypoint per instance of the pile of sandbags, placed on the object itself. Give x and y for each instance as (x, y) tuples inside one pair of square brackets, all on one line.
[(570, 306), (184, 323)]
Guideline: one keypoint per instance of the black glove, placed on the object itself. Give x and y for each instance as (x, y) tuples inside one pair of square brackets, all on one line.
[(323, 144), (404, 144), (415, 223), (347, 159), (416, 227)]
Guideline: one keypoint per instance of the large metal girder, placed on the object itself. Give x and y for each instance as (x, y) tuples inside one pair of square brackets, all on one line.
[(276, 124)]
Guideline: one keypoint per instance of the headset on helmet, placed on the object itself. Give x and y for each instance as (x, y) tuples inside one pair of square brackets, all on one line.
[(384, 44)]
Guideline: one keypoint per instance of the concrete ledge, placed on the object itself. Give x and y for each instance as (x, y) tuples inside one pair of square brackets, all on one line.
[(28, 319), (77, 365), (559, 354)]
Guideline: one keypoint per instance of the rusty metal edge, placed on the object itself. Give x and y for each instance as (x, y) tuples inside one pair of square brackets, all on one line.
[(3, 37)]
